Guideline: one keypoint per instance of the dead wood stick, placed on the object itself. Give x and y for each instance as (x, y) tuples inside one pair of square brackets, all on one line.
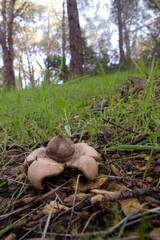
[(118, 126), (139, 139), (32, 203), (131, 194), (74, 201)]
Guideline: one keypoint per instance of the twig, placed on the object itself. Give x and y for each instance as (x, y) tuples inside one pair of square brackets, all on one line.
[(48, 221), (13, 204), (66, 211), (32, 203), (74, 200), (18, 221), (13, 225), (103, 233), (127, 129), (136, 221), (87, 223), (139, 139), (131, 194)]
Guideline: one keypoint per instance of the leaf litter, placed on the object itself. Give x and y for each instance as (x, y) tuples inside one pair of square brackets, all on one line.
[(113, 206)]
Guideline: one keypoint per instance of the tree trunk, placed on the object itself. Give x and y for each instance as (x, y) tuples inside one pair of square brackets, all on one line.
[(64, 67), (64, 34), (126, 35), (6, 41), (75, 40), (8, 69), (119, 9), (30, 66)]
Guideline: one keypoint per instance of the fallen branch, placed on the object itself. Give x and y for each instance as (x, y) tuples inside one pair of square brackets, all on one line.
[(32, 203), (131, 194), (139, 139)]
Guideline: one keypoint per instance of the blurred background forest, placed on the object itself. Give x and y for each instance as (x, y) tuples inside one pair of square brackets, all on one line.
[(36, 34)]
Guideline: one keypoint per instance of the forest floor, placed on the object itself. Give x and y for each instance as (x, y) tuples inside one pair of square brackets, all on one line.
[(123, 202)]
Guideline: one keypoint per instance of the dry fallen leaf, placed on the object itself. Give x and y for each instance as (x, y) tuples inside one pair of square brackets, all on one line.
[(149, 179), (28, 199), (154, 234), (11, 236), (129, 205), (4, 202), (56, 207), (76, 117), (138, 166), (115, 170), (14, 170), (97, 198), (80, 196), (93, 185), (117, 187), (100, 202), (100, 191)]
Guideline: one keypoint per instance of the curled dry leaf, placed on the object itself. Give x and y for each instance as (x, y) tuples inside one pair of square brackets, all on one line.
[(55, 206), (96, 199), (154, 234), (129, 205), (100, 202), (11, 236), (80, 196), (93, 185)]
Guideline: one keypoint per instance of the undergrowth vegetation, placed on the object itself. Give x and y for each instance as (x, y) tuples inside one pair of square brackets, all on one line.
[(110, 114), (29, 116), (38, 113)]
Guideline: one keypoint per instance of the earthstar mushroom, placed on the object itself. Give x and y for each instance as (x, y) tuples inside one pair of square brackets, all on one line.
[(60, 148), (59, 154)]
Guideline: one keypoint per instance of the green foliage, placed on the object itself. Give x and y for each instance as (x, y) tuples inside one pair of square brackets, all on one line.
[(110, 82), (52, 63), (135, 147), (32, 115), (157, 134), (144, 104), (1, 77), (91, 59), (142, 228), (149, 91)]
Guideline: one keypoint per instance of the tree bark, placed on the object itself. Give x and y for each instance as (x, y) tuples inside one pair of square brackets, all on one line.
[(30, 67), (64, 34), (75, 40), (8, 69), (126, 35), (6, 41), (64, 67), (119, 9)]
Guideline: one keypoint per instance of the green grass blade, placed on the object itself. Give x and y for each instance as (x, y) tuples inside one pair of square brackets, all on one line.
[(20, 83), (75, 80), (148, 164), (143, 67), (137, 65), (40, 66), (152, 67), (105, 76), (134, 147)]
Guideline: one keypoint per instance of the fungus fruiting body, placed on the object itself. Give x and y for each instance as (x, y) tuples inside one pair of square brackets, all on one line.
[(60, 148), (59, 154)]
